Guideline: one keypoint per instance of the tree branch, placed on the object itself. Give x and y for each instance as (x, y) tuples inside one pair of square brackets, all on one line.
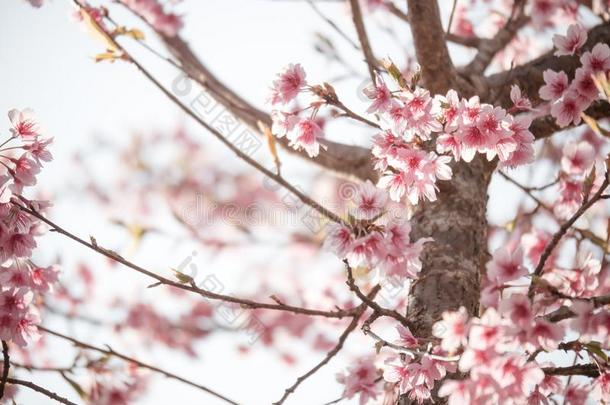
[(363, 38), (40, 389), (191, 285), (588, 370), (529, 76), (438, 72), (488, 48), (341, 158), (562, 231), (5, 368), (332, 353), (111, 352)]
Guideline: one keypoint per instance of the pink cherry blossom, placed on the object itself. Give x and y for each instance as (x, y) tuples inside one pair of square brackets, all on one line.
[(152, 11), (405, 337), (571, 42), (556, 83), (506, 265), (288, 84), (360, 379), (339, 239), (380, 95), (519, 101), (601, 388), (567, 110), (453, 329), (23, 122), (584, 85), (596, 60), (305, 135), (578, 158), (369, 201)]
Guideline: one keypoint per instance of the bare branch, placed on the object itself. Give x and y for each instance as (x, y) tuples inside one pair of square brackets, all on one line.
[(187, 287), (113, 353), (438, 72), (587, 370), (363, 38), (369, 302), (40, 389), (332, 353), (488, 48), (563, 229)]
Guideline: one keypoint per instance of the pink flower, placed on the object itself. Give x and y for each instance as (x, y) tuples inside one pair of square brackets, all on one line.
[(367, 250), (23, 123), (556, 83), (395, 183), (574, 40), (518, 309), (601, 388), (38, 150), (26, 170), (288, 84), (360, 378), (380, 94), (339, 239), (546, 335), (575, 394), (506, 265), (520, 102), (453, 329), (597, 60), (567, 110), (304, 135), (369, 201), (152, 11), (584, 85), (534, 243), (570, 197), (282, 122), (405, 337), (578, 158)]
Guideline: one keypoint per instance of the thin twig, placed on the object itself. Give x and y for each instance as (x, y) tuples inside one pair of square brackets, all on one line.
[(562, 231), (588, 370), (111, 352), (40, 389), (332, 353), (453, 8), (371, 62), (242, 155), (333, 25), (183, 286), (371, 303)]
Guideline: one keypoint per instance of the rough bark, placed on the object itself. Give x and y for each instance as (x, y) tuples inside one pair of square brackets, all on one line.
[(450, 276)]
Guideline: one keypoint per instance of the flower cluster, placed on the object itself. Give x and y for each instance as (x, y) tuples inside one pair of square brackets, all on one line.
[(152, 11), (415, 377), (370, 245), (360, 378), (569, 100), (464, 128), (302, 132), (20, 279)]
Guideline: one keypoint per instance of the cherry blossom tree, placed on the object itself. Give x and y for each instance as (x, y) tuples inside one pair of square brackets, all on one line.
[(477, 312)]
